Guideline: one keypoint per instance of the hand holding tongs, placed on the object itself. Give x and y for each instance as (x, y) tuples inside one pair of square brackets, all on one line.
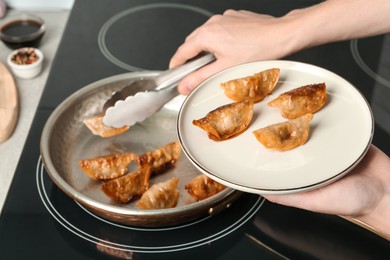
[(122, 109)]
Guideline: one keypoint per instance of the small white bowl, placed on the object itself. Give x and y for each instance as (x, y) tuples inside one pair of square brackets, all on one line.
[(26, 71)]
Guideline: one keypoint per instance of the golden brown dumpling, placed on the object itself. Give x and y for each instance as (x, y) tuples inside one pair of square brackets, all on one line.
[(107, 167), (300, 101), (227, 121), (125, 188), (287, 135), (160, 196), (255, 87), (160, 159), (96, 126), (202, 187)]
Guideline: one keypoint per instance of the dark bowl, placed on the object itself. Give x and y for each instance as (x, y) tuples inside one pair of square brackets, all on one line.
[(24, 30)]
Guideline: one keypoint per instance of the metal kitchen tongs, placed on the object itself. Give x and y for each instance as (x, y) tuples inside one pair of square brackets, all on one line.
[(123, 108)]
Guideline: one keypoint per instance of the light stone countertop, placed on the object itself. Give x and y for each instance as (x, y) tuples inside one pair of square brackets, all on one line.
[(29, 91)]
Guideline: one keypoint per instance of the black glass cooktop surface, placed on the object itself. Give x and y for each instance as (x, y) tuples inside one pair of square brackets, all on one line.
[(105, 38)]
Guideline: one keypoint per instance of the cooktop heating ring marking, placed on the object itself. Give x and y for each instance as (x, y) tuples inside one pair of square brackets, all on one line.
[(103, 31), (359, 60), (140, 228), (140, 249)]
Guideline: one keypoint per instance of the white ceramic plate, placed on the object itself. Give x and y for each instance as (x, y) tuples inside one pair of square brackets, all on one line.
[(341, 133)]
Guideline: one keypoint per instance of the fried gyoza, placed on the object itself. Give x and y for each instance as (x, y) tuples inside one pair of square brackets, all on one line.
[(160, 159), (125, 188), (107, 167), (300, 101), (287, 135), (122, 188), (227, 121), (202, 187), (255, 87), (160, 196), (96, 126)]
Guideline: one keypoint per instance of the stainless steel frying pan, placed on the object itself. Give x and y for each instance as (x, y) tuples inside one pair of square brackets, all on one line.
[(65, 140)]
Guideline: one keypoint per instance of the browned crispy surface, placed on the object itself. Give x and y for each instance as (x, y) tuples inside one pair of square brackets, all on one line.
[(287, 135), (227, 121), (96, 126), (202, 187), (107, 167), (160, 196), (255, 87), (300, 101), (125, 188), (160, 159)]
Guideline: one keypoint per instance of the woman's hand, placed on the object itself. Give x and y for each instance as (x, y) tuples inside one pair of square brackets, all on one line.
[(363, 194), (235, 37), (241, 36)]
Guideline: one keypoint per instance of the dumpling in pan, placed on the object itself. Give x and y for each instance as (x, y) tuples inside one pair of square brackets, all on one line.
[(107, 167), (287, 135), (202, 187), (125, 188), (255, 87), (300, 101), (96, 126), (160, 159), (227, 121), (160, 196)]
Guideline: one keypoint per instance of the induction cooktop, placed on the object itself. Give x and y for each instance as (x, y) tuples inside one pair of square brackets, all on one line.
[(105, 38)]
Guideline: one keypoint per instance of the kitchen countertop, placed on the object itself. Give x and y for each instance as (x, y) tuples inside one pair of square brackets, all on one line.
[(29, 91)]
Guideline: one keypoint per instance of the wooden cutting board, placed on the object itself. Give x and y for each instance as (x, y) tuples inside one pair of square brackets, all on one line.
[(9, 103)]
